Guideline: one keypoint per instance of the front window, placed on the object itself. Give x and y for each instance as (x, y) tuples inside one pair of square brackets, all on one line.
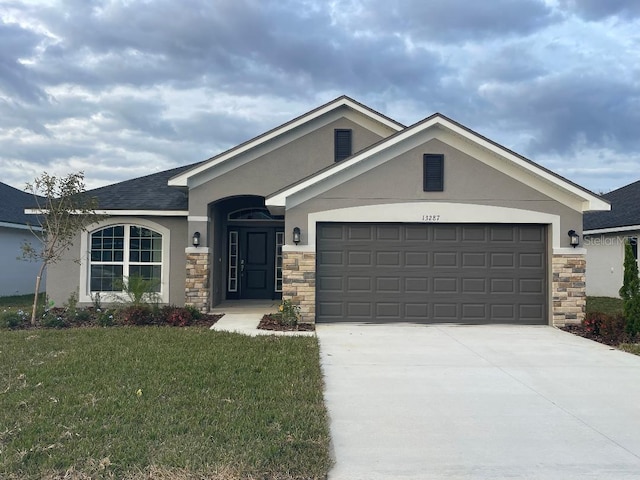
[(122, 251)]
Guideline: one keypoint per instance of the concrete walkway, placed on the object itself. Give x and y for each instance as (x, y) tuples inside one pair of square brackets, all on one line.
[(479, 402), (243, 316)]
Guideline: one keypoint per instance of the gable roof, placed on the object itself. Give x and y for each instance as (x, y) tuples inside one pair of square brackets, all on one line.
[(624, 214), (13, 203), (440, 126), (148, 193), (343, 101)]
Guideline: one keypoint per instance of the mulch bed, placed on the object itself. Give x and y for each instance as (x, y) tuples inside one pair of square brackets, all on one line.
[(270, 322)]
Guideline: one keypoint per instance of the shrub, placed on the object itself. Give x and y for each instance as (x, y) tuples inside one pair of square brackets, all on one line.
[(136, 315), (105, 319), (630, 291), (13, 320), (79, 317), (54, 318), (178, 316), (288, 313), (609, 329)]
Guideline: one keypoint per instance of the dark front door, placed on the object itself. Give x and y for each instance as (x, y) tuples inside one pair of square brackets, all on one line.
[(256, 262)]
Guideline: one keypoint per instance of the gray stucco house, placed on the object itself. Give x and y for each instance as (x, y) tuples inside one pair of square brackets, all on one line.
[(17, 277), (352, 216), (605, 235)]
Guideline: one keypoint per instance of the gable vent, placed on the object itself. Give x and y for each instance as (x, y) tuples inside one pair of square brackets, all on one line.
[(433, 172), (342, 144)]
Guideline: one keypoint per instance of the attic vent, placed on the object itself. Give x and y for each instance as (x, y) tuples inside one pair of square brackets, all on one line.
[(342, 144), (433, 172)]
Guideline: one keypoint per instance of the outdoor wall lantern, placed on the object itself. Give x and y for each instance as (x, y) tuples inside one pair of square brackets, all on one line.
[(296, 235), (574, 238), (196, 239)]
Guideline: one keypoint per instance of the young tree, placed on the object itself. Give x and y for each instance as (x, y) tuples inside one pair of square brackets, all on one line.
[(63, 210), (630, 291)]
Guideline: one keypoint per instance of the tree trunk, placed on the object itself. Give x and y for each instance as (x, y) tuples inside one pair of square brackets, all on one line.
[(35, 297)]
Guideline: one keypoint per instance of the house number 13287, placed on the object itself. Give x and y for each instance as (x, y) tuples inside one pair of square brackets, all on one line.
[(430, 218)]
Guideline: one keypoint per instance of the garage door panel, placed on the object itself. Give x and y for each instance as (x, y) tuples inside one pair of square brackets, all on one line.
[(503, 285), (388, 259), (416, 259), (417, 273), (445, 259), (502, 260)]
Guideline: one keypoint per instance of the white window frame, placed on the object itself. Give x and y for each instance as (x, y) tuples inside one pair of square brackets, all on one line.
[(85, 259)]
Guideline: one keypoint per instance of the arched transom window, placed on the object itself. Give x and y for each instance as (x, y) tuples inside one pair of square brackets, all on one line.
[(122, 251)]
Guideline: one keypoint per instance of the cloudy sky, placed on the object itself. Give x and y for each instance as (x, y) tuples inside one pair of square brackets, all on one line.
[(124, 88)]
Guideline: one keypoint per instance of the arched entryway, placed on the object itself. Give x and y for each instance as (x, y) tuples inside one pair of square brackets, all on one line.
[(247, 245)]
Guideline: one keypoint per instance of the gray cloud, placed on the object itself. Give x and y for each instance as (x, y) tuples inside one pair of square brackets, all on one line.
[(127, 86), (598, 9)]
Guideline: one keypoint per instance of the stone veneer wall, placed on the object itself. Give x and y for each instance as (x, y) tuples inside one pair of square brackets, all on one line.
[(299, 282), (197, 284), (569, 288)]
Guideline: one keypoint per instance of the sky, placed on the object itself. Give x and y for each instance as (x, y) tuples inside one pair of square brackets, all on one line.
[(120, 89)]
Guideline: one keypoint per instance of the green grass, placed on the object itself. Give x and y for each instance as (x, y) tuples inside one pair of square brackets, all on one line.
[(20, 301), (607, 305), (211, 405), (630, 347)]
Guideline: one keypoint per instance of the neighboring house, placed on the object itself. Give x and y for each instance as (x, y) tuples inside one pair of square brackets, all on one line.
[(17, 277), (605, 234), (352, 216)]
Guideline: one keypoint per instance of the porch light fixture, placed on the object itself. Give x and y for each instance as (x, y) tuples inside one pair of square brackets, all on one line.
[(574, 238), (196, 239), (296, 235)]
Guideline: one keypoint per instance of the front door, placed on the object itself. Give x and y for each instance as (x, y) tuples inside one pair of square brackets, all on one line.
[(254, 262)]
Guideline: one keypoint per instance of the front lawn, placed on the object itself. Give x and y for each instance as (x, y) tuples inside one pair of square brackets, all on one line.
[(157, 402)]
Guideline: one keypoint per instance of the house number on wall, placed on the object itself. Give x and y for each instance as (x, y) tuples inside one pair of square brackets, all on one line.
[(430, 218)]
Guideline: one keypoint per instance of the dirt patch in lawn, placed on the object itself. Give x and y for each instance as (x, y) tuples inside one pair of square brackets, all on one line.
[(271, 322)]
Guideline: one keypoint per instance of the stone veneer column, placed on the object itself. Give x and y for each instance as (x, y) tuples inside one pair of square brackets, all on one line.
[(569, 291), (197, 284), (299, 282)]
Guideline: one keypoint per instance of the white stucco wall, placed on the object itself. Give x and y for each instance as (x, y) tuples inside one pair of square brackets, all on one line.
[(17, 277), (605, 263)]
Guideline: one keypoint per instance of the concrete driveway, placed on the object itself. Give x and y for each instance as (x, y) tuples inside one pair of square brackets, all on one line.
[(479, 402)]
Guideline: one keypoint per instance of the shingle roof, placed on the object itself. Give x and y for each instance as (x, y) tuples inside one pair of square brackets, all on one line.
[(625, 209), (150, 192), (12, 205)]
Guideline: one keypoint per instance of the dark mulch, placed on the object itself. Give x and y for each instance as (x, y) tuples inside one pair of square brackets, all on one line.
[(613, 339), (270, 322)]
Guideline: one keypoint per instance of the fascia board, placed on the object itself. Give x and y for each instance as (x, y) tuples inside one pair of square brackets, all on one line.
[(127, 213), (20, 226), (597, 231), (590, 202), (182, 180)]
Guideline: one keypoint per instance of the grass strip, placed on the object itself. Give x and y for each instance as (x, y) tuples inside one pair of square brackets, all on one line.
[(120, 402)]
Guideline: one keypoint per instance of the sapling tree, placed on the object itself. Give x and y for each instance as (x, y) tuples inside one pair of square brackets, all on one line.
[(62, 209), (630, 291)]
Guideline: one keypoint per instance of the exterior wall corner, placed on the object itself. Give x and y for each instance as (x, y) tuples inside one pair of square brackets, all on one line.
[(568, 289), (299, 282), (197, 282)]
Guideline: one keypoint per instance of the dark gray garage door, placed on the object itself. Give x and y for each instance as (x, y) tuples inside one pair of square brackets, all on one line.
[(429, 273)]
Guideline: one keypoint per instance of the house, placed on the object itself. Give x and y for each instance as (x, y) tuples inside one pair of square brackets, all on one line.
[(605, 235), (17, 277), (352, 216)]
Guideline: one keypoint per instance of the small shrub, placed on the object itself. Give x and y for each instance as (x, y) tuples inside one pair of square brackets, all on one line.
[(13, 320), (72, 302), (195, 313), (610, 329), (288, 313), (136, 315), (79, 317), (54, 318), (105, 319), (138, 291), (179, 317)]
